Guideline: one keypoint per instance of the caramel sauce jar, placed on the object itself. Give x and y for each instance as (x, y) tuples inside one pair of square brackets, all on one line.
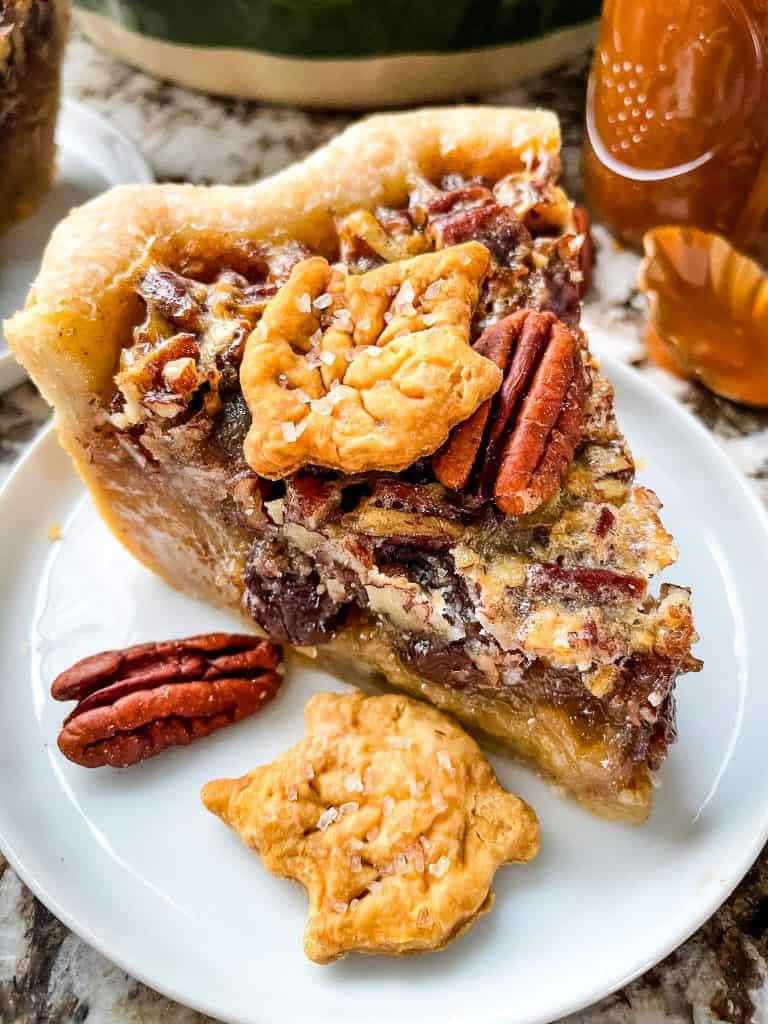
[(677, 119)]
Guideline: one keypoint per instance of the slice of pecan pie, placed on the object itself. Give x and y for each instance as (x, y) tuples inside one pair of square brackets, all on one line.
[(354, 402)]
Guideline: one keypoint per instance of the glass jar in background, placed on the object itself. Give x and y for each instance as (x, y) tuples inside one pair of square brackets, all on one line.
[(677, 119)]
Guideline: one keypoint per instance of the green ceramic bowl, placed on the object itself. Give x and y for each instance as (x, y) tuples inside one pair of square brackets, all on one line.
[(341, 53)]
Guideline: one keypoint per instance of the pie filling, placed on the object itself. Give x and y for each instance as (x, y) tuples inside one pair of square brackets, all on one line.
[(548, 608)]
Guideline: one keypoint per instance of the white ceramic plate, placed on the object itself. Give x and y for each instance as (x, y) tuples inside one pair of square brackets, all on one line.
[(91, 157), (132, 862)]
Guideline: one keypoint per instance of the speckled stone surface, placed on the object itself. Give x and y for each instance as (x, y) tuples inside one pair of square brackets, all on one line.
[(47, 975)]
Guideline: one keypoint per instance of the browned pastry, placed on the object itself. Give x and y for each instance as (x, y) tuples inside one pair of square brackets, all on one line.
[(134, 703), (389, 816), (32, 34), (354, 402)]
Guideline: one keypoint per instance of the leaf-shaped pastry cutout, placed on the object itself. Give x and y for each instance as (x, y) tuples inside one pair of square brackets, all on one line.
[(709, 304), (389, 815), (361, 372)]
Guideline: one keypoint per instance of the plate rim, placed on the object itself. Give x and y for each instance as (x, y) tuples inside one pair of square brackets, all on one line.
[(613, 370), (139, 171)]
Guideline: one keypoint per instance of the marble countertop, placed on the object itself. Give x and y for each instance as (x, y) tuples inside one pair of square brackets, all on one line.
[(46, 973)]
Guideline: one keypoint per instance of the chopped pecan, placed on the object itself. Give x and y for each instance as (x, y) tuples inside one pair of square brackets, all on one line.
[(366, 241), (190, 345), (464, 197), (604, 522), (311, 500), (396, 221), (497, 227), (382, 522), (517, 446), (580, 219), (280, 259), (540, 204), (178, 298), (134, 703), (247, 498), (603, 584), (161, 380), (402, 496)]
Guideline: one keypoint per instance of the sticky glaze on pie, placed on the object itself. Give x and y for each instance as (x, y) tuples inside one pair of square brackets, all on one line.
[(354, 402)]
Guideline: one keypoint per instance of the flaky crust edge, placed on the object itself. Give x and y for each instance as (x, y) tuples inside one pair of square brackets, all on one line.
[(81, 307)]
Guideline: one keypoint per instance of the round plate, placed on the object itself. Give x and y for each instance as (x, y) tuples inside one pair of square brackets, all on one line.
[(91, 156), (132, 862)]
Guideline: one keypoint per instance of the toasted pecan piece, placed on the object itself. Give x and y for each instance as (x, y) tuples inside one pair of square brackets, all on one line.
[(134, 703), (600, 584), (582, 225), (517, 447), (361, 232)]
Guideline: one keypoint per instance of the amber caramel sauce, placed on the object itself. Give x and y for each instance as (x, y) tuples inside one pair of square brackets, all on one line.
[(709, 312), (677, 118), (661, 353)]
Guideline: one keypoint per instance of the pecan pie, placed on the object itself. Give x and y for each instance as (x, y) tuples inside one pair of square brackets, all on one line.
[(354, 402)]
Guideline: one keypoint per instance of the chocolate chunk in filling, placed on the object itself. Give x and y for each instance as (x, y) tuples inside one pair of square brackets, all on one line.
[(286, 596)]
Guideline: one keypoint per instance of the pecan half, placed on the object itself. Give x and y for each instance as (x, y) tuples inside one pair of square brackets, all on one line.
[(134, 703), (517, 446)]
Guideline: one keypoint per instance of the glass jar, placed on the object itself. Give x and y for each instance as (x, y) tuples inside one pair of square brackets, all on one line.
[(677, 119)]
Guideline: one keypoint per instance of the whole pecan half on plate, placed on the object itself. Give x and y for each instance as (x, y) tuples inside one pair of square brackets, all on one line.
[(134, 703), (517, 446)]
